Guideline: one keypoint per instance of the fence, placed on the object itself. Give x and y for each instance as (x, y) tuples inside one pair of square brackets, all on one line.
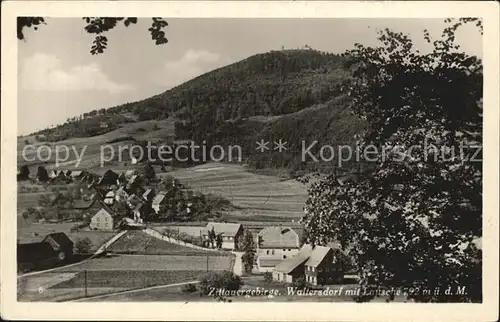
[(172, 240)]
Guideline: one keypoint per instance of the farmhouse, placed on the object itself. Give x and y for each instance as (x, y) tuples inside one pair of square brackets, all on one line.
[(77, 175), (54, 248), (141, 211), (133, 201), (108, 178), (121, 194), (231, 233), (159, 202), (102, 220), (292, 268), (275, 244), (317, 264), (282, 242), (109, 198), (320, 268)]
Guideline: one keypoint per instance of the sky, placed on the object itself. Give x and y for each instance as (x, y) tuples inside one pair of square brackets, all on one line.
[(59, 78)]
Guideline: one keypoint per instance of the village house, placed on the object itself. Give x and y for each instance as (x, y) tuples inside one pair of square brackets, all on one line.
[(57, 175), (159, 203), (108, 178), (102, 220), (148, 195), (282, 242), (109, 198), (316, 264), (275, 244), (320, 268), (77, 175), (133, 201), (51, 250), (133, 183), (292, 268), (230, 232), (141, 211), (121, 194)]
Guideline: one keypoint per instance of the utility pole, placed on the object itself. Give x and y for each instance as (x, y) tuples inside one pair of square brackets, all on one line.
[(207, 263), (85, 273)]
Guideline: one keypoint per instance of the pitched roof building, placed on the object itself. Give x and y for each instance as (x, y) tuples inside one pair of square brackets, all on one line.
[(102, 220), (275, 244), (317, 265), (230, 232)]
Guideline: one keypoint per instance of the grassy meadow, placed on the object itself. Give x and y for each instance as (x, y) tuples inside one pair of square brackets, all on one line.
[(256, 196)]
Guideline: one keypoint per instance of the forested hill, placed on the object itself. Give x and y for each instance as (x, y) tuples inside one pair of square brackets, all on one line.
[(274, 83), (277, 83)]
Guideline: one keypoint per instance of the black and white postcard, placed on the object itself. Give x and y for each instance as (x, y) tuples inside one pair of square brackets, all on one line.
[(250, 160)]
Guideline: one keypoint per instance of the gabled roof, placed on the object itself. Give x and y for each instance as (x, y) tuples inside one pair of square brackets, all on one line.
[(75, 173), (289, 264), (83, 204), (318, 255), (269, 261), (146, 194), (103, 212), (60, 238), (278, 237), (109, 177), (133, 179), (226, 229), (110, 194), (128, 173), (159, 198)]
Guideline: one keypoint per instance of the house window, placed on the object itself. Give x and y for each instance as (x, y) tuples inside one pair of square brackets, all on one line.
[(312, 268), (319, 270), (284, 250), (272, 252), (267, 252), (284, 256), (289, 249), (327, 269)]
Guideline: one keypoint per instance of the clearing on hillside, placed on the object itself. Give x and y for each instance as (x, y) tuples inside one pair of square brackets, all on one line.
[(254, 194)]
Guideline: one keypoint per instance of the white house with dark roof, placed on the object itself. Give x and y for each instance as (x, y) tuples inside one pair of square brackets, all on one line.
[(230, 232), (109, 198), (278, 241), (275, 244), (102, 220), (159, 202), (293, 267), (317, 264)]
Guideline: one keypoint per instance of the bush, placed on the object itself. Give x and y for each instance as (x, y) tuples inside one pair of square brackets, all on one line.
[(300, 283), (83, 245), (188, 288), (220, 280), (268, 277)]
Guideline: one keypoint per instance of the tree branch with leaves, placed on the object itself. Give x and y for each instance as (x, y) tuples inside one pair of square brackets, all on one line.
[(98, 26), (412, 221)]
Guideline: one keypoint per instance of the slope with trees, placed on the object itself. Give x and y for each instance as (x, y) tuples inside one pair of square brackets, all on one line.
[(413, 221)]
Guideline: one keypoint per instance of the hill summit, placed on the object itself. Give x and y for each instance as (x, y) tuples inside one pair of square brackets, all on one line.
[(292, 95)]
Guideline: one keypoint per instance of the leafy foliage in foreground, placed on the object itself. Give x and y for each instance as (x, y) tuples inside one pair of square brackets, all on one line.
[(99, 26), (412, 221)]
